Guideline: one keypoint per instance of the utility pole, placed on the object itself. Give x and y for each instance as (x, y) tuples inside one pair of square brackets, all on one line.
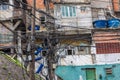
[(50, 59), (32, 63), (50, 47)]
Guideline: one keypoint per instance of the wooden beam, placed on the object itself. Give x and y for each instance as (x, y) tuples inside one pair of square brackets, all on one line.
[(16, 25), (6, 26)]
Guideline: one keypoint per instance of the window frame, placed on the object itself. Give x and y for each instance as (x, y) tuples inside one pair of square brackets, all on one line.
[(73, 52), (4, 7), (86, 50), (68, 11), (109, 71)]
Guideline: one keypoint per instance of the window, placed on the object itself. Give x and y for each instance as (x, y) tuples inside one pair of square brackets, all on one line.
[(108, 71), (68, 11), (83, 9), (83, 49), (70, 52), (4, 6)]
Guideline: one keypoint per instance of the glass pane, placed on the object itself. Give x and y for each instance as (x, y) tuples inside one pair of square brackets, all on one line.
[(74, 11), (71, 11), (3, 7), (66, 9), (63, 10)]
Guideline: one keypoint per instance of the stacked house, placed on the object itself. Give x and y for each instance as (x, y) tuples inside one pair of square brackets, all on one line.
[(10, 20), (93, 52), (87, 33)]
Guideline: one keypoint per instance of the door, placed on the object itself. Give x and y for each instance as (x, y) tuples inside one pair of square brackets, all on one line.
[(90, 74)]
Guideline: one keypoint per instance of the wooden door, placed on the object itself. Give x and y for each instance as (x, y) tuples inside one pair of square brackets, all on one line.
[(90, 74)]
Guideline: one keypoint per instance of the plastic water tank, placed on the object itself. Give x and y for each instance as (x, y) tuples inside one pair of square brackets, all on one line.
[(113, 23), (100, 24), (36, 27)]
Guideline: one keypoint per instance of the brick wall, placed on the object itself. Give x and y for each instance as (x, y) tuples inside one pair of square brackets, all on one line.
[(116, 5), (107, 42), (106, 48), (40, 4)]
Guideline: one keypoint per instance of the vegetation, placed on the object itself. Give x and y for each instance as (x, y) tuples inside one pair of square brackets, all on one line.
[(12, 69)]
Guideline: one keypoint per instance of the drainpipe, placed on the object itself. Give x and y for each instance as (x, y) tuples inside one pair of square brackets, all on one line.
[(93, 58)]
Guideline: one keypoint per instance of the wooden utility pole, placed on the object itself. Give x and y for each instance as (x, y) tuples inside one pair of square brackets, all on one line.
[(32, 63), (50, 47), (50, 64)]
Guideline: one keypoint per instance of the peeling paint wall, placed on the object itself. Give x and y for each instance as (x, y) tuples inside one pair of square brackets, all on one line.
[(79, 72)]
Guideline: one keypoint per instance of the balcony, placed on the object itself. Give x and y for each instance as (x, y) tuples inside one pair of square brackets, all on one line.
[(8, 14)]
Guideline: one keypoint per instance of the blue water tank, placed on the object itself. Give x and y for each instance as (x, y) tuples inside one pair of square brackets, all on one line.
[(113, 23), (36, 27), (100, 24)]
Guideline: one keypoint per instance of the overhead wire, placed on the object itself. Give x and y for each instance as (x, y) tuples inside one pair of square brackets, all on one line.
[(110, 39), (39, 19), (67, 26)]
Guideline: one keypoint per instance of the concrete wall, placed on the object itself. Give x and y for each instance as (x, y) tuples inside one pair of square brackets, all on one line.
[(6, 14), (84, 59), (79, 72), (107, 58), (79, 57), (81, 20), (102, 4), (6, 37), (76, 60)]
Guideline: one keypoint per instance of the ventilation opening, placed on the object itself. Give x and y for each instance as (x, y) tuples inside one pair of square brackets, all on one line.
[(108, 71)]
